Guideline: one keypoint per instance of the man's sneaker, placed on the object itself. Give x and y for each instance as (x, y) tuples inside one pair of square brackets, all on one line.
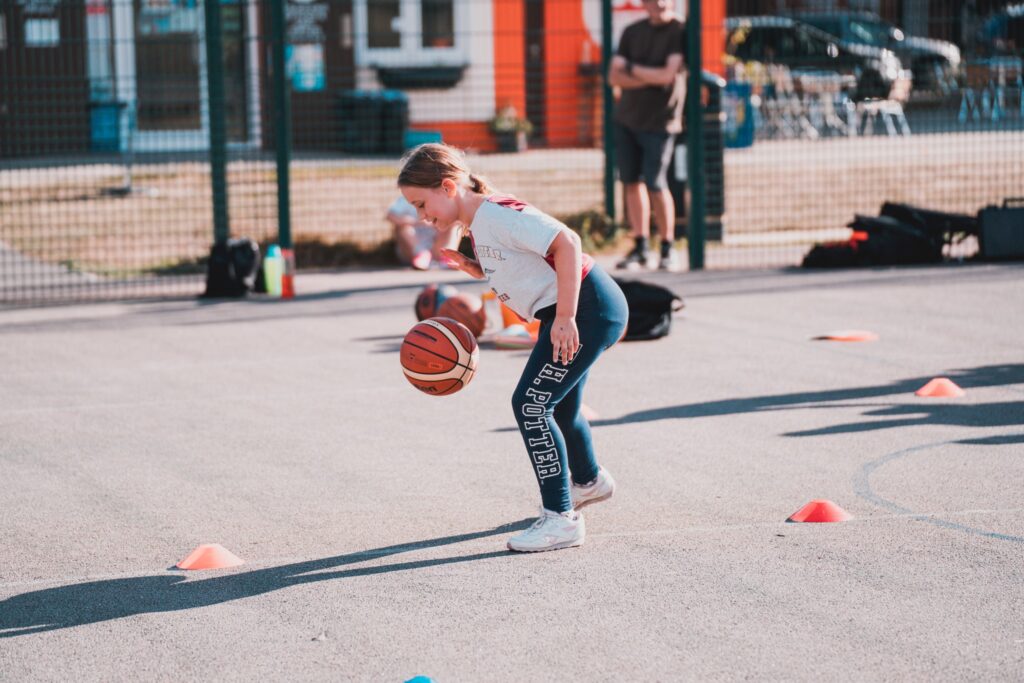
[(600, 489), (670, 262), (634, 260), (551, 531)]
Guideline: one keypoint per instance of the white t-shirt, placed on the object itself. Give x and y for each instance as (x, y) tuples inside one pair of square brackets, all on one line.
[(511, 241)]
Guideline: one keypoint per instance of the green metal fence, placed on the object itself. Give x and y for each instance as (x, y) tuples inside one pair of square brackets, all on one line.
[(119, 162)]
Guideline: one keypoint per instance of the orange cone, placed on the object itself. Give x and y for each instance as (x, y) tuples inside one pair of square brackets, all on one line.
[(940, 387), (210, 556), (848, 336), (820, 511)]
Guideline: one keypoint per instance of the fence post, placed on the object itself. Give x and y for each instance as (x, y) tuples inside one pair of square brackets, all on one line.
[(283, 144), (218, 128), (695, 136), (606, 95)]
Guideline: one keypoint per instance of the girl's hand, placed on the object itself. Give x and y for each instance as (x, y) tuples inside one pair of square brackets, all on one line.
[(467, 265), (565, 338)]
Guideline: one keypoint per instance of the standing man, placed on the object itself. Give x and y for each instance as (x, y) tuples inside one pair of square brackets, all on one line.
[(648, 68)]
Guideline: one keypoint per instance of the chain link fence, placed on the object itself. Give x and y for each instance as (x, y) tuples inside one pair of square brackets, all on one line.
[(106, 181)]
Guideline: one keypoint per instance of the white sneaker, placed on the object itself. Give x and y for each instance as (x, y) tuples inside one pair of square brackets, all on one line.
[(551, 531), (671, 262), (600, 489)]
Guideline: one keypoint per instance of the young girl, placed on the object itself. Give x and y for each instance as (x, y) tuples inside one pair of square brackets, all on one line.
[(535, 267)]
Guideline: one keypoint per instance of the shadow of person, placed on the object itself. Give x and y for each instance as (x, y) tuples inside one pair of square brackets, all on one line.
[(96, 601), (969, 378), (1002, 414)]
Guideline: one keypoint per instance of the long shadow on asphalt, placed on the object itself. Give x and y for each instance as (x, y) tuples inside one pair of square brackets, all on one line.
[(978, 415), (87, 603), (1006, 414)]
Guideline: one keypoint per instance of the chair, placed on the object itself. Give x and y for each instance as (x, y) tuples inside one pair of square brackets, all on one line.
[(889, 112)]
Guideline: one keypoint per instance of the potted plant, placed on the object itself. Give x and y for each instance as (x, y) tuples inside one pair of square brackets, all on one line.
[(510, 130)]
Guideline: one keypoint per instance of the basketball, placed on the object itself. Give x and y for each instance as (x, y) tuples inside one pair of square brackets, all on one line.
[(439, 356), (468, 309), (430, 298)]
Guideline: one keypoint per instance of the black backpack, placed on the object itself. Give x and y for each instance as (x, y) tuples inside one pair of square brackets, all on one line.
[(650, 309), (231, 270)]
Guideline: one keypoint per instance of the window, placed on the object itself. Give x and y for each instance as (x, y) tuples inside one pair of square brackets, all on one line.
[(382, 18), (438, 23), (806, 45), (401, 33), (869, 33)]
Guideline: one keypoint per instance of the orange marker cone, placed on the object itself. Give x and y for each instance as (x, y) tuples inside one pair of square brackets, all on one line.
[(940, 387), (820, 511), (848, 336), (210, 556)]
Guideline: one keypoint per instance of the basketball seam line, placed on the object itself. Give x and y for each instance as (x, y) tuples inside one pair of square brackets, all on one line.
[(456, 363)]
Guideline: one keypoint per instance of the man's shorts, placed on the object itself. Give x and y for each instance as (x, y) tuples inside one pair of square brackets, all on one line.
[(643, 155)]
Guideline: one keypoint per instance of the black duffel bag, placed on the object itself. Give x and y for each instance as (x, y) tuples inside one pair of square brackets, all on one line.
[(650, 309)]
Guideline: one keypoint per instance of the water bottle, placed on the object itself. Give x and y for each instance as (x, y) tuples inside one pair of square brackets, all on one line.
[(273, 270)]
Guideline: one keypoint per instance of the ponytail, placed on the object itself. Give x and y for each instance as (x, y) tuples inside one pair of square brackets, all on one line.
[(479, 184)]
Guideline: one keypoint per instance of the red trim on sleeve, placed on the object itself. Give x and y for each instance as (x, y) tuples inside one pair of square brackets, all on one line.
[(588, 264), (508, 201)]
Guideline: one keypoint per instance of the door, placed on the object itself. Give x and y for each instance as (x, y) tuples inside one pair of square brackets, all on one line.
[(44, 90), (169, 69), (536, 82), (320, 40)]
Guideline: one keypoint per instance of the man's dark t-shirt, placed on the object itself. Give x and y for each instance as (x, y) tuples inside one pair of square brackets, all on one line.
[(655, 108)]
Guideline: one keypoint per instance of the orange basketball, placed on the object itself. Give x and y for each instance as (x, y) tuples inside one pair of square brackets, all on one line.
[(468, 309), (439, 356), (430, 297)]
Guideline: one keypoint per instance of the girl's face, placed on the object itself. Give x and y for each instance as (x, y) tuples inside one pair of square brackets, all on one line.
[(436, 205)]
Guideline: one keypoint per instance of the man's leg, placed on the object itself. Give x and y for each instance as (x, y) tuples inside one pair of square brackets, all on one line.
[(658, 150), (663, 207), (638, 208)]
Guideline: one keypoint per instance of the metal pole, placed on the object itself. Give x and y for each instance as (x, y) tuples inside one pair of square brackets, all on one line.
[(283, 143), (606, 94), (695, 136), (218, 128)]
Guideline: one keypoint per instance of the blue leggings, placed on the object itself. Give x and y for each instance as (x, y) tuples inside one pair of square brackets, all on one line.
[(548, 398)]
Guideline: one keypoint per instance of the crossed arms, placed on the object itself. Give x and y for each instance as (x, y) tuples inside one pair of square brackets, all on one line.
[(624, 74)]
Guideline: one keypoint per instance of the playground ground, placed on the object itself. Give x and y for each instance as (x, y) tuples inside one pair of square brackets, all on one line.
[(372, 519)]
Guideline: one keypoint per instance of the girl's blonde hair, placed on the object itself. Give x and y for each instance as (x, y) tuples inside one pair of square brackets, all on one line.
[(429, 164)]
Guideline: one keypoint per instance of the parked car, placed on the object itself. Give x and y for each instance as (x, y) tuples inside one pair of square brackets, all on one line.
[(935, 64), (782, 40), (1002, 33)]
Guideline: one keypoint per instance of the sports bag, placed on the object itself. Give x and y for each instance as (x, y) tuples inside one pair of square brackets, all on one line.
[(650, 309), (231, 270)]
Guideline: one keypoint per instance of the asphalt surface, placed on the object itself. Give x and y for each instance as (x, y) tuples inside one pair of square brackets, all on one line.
[(372, 519)]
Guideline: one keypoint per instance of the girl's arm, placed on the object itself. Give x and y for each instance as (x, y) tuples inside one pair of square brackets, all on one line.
[(467, 265), (568, 257)]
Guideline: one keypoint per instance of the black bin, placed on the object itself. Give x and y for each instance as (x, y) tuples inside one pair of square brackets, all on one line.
[(372, 121)]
